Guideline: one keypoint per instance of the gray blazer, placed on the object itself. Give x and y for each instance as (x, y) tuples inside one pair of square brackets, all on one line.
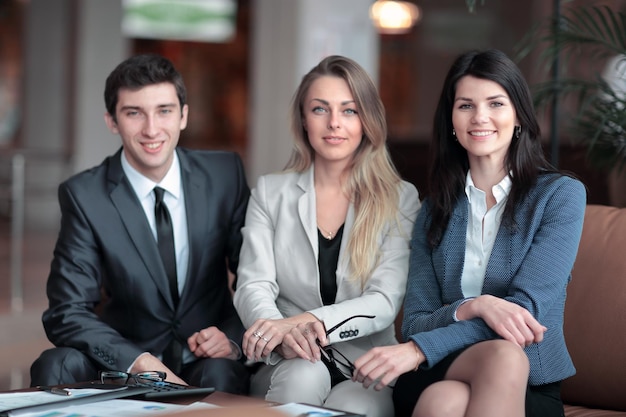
[(278, 267)]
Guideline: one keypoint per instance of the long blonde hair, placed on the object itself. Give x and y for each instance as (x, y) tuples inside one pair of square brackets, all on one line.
[(372, 180)]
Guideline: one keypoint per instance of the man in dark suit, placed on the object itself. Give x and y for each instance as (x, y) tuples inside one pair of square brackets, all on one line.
[(117, 301)]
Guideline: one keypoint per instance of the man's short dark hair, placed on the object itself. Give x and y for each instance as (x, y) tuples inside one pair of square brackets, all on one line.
[(139, 71)]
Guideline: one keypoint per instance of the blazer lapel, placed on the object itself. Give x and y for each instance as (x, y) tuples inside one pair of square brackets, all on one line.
[(453, 259), (195, 188), (306, 208), (132, 216)]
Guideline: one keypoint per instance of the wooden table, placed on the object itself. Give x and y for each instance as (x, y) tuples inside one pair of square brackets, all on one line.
[(232, 406), (224, 399)]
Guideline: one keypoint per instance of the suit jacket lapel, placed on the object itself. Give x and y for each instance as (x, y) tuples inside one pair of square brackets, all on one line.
[(307, 212), (306, 208), (195, 189), (132, 215), (454, 256)]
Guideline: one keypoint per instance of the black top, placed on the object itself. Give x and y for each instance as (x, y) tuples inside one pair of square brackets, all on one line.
[(329, 256)]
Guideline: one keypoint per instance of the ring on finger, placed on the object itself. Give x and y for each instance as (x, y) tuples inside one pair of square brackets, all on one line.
[(307, 331), (265, 339), (258, 334)]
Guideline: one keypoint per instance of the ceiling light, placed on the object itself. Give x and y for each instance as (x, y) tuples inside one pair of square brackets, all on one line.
[(394, 17)]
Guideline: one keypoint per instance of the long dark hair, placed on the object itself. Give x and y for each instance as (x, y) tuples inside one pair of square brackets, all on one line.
[(449, 161)]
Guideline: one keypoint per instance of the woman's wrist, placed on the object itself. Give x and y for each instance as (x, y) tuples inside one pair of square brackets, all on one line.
[(419, 355), (463, 311)]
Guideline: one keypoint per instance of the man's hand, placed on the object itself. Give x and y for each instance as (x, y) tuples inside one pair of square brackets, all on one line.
[(211, 343), (147, 362)]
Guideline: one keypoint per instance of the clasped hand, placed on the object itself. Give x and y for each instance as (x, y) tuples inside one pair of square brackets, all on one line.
[(290, 339), (386, 363), (211, 343), (510, 321)]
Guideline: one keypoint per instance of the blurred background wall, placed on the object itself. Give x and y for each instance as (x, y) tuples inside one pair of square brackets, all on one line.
[(61, 51)]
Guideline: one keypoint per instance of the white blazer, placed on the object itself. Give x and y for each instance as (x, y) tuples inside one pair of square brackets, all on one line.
[(278, 274)]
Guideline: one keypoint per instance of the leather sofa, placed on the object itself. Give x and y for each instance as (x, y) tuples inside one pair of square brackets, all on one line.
[(595, 318)]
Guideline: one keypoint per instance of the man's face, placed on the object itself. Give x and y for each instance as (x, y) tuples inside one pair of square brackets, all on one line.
[(149, 121)]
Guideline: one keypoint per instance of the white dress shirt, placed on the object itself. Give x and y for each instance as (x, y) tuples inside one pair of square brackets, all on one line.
[(175, 201)]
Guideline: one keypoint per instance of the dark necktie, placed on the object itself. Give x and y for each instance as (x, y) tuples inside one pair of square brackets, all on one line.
[(165, 239), (172, 355)]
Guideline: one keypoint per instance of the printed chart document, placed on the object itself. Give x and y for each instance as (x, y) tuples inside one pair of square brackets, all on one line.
[(18, 403), (116, 408)]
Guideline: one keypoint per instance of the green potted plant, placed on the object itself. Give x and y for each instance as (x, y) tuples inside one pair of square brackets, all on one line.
[(578, 36)]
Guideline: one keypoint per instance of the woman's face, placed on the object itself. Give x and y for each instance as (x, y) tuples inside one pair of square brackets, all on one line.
[(484, 119), (331, 120)]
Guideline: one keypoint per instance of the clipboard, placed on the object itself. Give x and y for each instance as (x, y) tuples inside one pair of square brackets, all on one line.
[(122, 392)]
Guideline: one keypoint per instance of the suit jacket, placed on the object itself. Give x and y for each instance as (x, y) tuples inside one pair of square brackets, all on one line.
[(279, 274), (105, 244), (530, 266)]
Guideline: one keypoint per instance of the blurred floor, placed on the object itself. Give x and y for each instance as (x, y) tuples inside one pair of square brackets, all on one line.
[(22, 337)]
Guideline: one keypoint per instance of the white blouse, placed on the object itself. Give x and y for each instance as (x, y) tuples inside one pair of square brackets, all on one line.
[(482, 228)]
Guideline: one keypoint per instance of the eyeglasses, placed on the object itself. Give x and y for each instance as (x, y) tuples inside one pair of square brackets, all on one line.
[(331, 356), (122, 378)]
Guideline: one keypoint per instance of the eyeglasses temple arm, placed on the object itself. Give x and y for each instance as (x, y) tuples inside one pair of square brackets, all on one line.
[(341, 323)]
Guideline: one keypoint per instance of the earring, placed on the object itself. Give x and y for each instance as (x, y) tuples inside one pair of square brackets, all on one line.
[(453, 132), (518, 131)]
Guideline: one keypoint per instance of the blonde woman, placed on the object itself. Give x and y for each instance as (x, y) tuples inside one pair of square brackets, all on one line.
[(326, 240)]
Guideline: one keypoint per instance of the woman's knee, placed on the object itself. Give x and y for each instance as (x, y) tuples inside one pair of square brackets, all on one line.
[(506, 357), (444, 398), (351, 396), (298, 380), (492, 359)]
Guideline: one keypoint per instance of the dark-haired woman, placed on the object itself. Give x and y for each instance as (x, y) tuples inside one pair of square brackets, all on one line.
[(491, 256)]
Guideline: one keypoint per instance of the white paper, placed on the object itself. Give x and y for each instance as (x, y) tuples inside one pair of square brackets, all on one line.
[(108, 408), (13, 400)]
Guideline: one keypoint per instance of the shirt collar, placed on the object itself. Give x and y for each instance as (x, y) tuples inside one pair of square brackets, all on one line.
[(143, 186), (500, 191)]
